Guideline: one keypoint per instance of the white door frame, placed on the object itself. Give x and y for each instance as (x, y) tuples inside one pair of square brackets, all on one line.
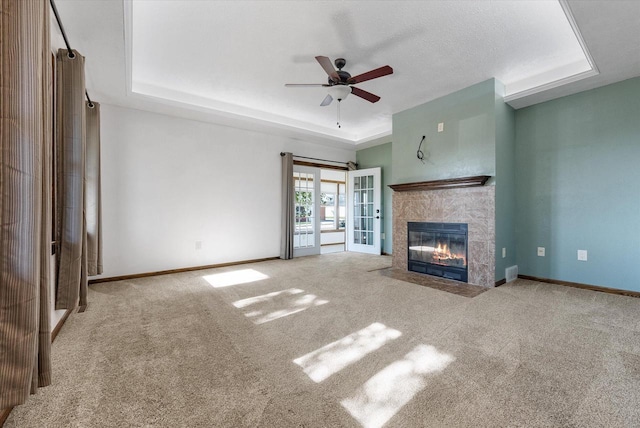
[(364, 214)]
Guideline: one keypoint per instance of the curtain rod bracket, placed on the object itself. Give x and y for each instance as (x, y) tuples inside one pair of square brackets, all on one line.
[(91, 105), (70, 52)]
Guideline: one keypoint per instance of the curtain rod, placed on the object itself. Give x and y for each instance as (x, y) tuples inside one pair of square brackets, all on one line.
[(66, 42), (323, 160)]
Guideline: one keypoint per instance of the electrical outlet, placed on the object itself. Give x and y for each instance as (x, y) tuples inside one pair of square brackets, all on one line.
[(540, 251), (504, 252), (582, 255), (198, 245), (440, 126)]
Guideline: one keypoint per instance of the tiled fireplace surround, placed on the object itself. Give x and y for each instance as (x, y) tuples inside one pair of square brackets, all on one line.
[(472, 205)]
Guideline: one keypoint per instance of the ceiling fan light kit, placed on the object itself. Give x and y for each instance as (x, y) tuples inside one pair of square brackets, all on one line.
[(339, 82), (339, 92)]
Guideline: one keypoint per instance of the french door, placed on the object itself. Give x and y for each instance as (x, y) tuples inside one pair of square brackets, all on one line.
[(363, 225), (306, 234)]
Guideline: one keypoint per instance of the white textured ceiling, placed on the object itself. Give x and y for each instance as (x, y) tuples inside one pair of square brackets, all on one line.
[(228, 61)]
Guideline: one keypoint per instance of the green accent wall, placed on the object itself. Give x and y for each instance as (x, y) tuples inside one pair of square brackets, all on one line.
[(578, 172), (381, 156), (465, 148), (505, 182), (478, 139)]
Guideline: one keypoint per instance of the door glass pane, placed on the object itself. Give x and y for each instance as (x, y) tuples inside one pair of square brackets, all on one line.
[(356, 183), (369, 238), (369, 182), (304, 216)]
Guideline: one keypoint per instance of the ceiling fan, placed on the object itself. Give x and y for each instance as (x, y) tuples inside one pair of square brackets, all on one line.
[(340, 82)]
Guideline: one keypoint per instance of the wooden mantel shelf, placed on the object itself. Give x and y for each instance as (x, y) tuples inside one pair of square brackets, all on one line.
[(450, 183)]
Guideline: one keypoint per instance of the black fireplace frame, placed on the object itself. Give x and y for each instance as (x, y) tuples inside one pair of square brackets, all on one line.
[(447, 272)]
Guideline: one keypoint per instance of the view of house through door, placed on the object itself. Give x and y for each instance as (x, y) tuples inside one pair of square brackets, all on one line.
[(320, 210), (333, 210), (363, 224)]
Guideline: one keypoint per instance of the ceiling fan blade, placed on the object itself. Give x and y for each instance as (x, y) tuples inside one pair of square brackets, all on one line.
[(328, 67), (327, 100), (306, 84), (373, 74), (372, 98)]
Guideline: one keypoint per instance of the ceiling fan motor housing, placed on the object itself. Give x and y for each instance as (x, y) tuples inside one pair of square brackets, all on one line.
[(344, 77)]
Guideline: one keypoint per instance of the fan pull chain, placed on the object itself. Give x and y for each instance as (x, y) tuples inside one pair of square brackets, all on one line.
[(338, 123)]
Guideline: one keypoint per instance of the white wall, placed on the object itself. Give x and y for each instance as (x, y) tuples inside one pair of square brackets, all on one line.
[(168, 182)]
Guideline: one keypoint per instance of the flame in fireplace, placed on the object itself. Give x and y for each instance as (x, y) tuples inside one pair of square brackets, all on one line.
[(441, 254)]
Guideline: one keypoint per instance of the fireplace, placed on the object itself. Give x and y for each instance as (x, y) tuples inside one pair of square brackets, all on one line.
[(438, 249)]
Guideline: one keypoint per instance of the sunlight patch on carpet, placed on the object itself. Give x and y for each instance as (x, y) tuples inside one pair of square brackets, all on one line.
[(382, 396), (331, 358), (262, 308), (265, 297), (227, 279)]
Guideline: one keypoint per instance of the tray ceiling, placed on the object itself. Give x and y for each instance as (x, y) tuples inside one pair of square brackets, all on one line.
[(231, 59)]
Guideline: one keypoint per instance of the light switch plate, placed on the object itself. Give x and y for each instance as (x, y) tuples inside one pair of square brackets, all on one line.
[(504, 252), (582, 255), (440, 126), (541, 251)]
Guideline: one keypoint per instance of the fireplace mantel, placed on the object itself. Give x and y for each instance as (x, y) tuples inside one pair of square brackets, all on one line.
[(451, 183)]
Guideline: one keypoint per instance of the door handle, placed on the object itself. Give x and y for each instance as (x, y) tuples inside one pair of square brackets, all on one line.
[(377, 216)]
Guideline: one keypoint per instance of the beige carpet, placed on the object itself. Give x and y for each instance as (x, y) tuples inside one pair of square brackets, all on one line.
[(325, 341)]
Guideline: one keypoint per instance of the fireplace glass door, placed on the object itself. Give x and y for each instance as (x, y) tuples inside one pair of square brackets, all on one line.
[(438, 249)]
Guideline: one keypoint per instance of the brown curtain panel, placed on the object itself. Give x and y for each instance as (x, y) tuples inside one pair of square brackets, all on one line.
[(288, 211), (93, 190), (71, 158), (25, 199)]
